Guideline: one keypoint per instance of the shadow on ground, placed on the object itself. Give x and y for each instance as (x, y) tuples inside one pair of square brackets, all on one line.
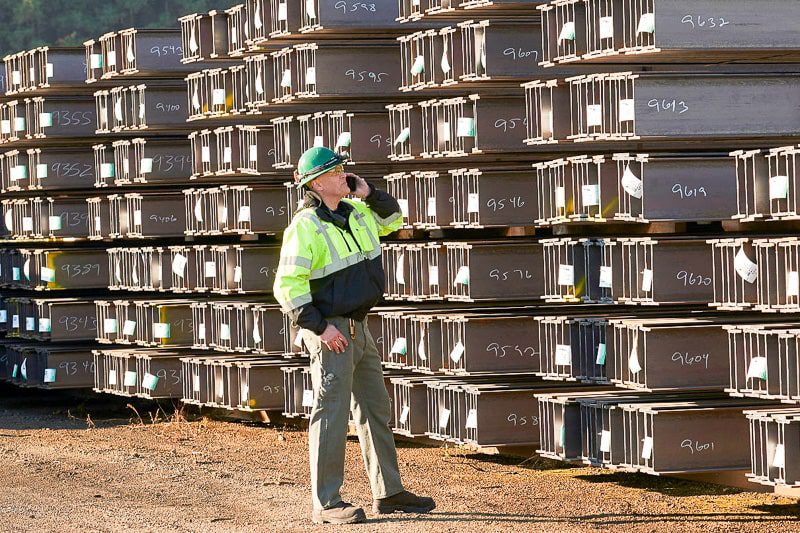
[(664, 485)]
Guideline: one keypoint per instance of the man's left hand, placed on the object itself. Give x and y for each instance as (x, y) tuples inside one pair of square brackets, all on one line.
[(362, 189)]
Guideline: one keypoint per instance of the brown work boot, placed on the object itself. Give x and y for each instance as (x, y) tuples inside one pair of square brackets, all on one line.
[(341, 513), (404, 502)]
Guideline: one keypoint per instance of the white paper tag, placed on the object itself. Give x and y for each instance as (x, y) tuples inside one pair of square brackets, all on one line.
[(633, 361), (49, 375), (433, 276), (15, 321), (404, 412), (19, 172), (606, 27), (601, 354), (418, 67), (473, 202), (567, 32), (218, 97), (96, 61), (225, 332), (399, 273), (112, 377), (446, 131), (179, 263), (457, 352), (107, 170), (129, 328), (44, 325), (109, 326), (432, 207), (308, 398), (237, 274), (566, 275), (149, 381), (319, 141), (647, 448), (647, 280), (594, 115), (792, 284), (5, 127), (779, 458), (27, 224), (129, 380), (54, 222), (286, 79), (647, 23), (560, 198), (3, 316), (444, 418), (244, 214), (631, 184), (205, 154), (606, 277), (605, 441), (210, 269), (48, 274), (399, 346), (746, 269), (252, 153), (30, 323), (97, 224), (626, 110), (472, 419), (19, 124), (344, 140), (201, 332), (45, 120), (298, 339), (256, 333), (137, 217), (311, 76), (778, 187), (196, 383), (445, 63), (282, 12), (161, 330), (421, 351), (563, 355), (403, 207), (590, 195), (757, 368), (465, 127), (403, 136), (462, 276)]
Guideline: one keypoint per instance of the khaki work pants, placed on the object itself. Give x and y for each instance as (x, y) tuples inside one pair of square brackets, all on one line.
[(345, 382)]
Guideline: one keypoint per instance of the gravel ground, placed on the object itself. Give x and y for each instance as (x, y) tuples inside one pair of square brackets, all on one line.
[(75, 464)]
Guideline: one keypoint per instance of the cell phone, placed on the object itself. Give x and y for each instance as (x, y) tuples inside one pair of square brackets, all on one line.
[(352, 183)]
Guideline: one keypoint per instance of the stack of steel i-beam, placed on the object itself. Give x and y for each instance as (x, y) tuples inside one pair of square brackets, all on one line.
[(292, 75), (675, 150), (598, 259)]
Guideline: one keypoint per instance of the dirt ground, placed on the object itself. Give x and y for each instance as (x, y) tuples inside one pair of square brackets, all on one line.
[(75, 464)]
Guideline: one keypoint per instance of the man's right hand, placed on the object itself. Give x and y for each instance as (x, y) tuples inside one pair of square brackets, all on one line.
[(333, 339)]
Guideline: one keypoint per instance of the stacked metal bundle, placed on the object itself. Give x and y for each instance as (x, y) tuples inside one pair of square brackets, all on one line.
[(566, 170), (671, 129)]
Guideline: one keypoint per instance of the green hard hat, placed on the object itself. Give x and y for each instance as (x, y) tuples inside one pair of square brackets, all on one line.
[(315, 162)]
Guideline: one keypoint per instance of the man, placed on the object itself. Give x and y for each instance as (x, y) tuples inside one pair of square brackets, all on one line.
[(329, 277)]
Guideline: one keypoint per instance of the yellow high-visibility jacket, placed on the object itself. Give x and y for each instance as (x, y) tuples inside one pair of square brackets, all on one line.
[(331, 260)]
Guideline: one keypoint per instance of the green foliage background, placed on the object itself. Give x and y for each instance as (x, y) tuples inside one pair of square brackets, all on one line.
[(26, 24)]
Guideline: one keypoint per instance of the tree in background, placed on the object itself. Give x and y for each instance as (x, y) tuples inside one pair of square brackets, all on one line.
[(27, 24)]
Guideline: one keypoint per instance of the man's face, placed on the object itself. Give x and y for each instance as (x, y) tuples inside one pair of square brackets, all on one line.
[(332, 183)]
